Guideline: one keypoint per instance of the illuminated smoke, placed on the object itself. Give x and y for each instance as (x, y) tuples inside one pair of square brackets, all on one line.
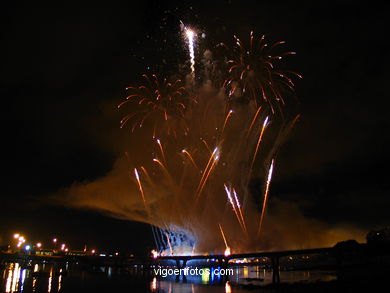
[(208, 147)]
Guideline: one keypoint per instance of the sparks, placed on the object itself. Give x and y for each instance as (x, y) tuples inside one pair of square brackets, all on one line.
[(239, 209), (140, 186), (161, 149), (190, 36), (271, 168), (224, 238), (253, 120), (213, 159), (259, 141), (226, 120), (184, 151), (229, 194)]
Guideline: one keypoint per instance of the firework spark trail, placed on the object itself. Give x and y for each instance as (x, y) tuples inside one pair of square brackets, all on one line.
[(229, 194), (161, 164), (253, 120), (162, 151), (190, 36), (184, 151), (258, 142), (216, 158), (226, 120), (271, 168), (206, 145), (163, 168), (140, 186), (239, 209), (146, 174), (223, 235), (206, 171), (169, 244)]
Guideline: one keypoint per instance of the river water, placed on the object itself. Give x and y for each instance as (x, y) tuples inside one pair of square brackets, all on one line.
[(72, 278)]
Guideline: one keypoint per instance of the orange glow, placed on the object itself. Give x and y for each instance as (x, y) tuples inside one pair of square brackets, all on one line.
[(227, 251), (153, 285), (154, 253), (228, 287)]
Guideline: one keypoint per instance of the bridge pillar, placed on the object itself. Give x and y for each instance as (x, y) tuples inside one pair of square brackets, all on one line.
[(224, 262), (180, 264), (275, 270)]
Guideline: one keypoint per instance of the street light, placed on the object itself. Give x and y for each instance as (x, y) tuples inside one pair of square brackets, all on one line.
[(19, 239), (54, 243)]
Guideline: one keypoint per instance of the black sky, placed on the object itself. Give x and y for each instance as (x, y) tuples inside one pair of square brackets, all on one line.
[(62, 66)]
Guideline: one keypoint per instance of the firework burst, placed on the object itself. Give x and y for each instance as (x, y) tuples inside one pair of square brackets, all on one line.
[(199, 144), (158, 103), (254, 73)]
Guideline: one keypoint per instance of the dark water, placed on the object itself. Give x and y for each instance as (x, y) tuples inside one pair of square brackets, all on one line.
[(44, 277)]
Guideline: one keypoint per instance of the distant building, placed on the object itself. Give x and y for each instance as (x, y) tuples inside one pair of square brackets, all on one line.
[(44, 252), (76, 252)]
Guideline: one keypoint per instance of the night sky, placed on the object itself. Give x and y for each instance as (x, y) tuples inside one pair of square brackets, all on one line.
[(64, 68)]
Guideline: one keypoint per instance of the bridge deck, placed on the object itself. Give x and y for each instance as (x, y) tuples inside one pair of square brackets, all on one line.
[(270, 254)]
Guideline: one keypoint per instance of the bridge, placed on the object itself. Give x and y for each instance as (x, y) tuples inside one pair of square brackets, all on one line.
[(181, 260)]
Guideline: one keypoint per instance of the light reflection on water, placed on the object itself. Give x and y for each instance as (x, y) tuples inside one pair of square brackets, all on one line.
[(27, 277), (240, 281), (52, 278)]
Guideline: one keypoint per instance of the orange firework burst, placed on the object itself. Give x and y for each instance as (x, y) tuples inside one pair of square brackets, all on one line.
[(161, 102), (254, 74)]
